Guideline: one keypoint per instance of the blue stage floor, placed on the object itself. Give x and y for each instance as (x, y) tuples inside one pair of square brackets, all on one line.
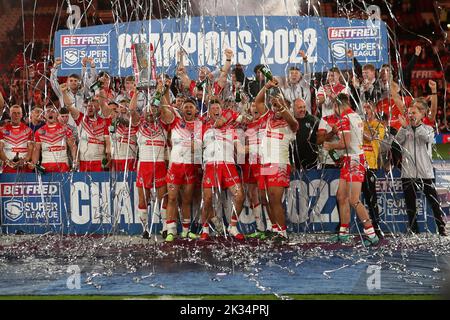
[(37, 265)]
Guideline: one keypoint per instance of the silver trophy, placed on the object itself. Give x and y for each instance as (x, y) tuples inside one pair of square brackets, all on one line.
[(144, 65)]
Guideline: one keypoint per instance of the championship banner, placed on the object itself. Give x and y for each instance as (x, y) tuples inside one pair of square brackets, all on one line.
[(93, 203), (272, 40)]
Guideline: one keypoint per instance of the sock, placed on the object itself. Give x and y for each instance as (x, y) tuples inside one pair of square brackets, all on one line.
[(275, 228), (343, 229), (163, 218), (257, 212), (268, 222), (186, 224), (172, 227), (233, 230), (143, 217), (217, 221), (369, 231), (283, 231), (234, 220), (205, 228)]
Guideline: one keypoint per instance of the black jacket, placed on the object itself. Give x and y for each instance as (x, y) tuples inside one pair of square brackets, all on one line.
[(305, 144)]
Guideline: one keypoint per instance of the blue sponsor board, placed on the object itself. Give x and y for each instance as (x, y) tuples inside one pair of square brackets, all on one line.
[(31, 203), (73, 48), (101, 203), (273, 40)]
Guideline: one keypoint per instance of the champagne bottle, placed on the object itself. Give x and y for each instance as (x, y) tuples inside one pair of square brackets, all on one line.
[(113, 126), (266, 72), (104, 163), (334, 155), (40, 168), (238, 95), (157, 99), (202, 84), (96, 86)]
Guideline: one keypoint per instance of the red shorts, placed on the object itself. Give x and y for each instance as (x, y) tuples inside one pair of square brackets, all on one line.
[(182, 173), (353, 170), (119, 165), (274, 175), (223, 175), (55, 167), (151, 174), (8, 169), (92, 166), (251, 172)]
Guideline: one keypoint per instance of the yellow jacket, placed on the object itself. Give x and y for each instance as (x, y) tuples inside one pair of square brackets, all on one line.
[(373, 135)]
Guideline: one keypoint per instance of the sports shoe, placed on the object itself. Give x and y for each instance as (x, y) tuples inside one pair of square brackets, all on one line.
[(279, 238), (256, 235), (339, 238), (269, 234), (442, 231), (379, 233), (204, 236), (371, 241), (218, 225), (239, 236), (233, 231), (170, 237), (189, 234), (145, 235)]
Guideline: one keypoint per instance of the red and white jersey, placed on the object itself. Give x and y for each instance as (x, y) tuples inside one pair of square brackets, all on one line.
[(53, 139), (351, 122), (253, 137), (275, 140), (326, 125), (92, 137), (218, 143), (327, 107), (151, 140), (15, 139), (183, 135), (124, 142)]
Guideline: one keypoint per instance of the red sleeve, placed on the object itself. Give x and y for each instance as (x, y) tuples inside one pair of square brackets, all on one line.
[(408, 101), (68, 132), (217, 88), (105, 128), (30, 135), (264, 118), (191, 87), (37, 136), (1, 133), (230, 115), (344, 124), (170, 126), (108, 121), (80, 118)]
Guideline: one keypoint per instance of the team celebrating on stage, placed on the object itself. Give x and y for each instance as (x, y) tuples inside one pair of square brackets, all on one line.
[(201, 147)]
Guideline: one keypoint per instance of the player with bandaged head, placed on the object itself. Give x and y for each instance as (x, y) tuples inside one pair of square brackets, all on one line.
[(16, 143)]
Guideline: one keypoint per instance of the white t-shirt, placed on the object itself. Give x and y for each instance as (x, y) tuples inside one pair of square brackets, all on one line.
[(276, 137), (183, 135), (218, 143), (124, 142), (151, 139)]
